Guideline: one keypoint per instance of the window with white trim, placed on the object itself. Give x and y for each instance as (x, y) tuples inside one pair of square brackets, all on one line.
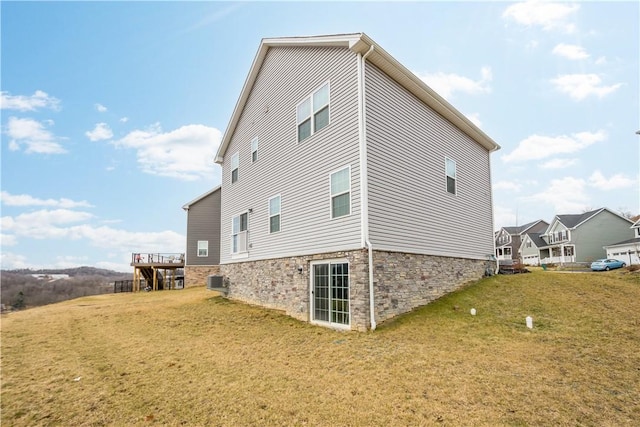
[(203, 248), (239, 228), (312, 114), (450, 169), (341, 192), (235, 165), (274, 214), (254, 150)]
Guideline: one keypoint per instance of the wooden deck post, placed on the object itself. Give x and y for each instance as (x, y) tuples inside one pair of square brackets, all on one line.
[(155, 278), (136, 280)]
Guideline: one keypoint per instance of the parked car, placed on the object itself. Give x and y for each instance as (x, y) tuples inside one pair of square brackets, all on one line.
[(606, 264)]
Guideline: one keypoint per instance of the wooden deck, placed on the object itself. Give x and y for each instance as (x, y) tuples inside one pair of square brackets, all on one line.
[(159, 270)]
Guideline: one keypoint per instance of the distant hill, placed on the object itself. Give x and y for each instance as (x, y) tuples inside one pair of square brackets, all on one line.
[(74, 272), (23, 288)]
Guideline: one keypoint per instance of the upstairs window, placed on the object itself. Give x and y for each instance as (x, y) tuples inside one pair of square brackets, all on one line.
[(274, 214), (341, 192), (203, 248), (254, 150), (313, 113), (450, 169), (235, 164), (239, 239)]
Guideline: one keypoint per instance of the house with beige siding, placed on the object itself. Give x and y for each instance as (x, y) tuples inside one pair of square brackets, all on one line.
[(348, 184), (203, 238)]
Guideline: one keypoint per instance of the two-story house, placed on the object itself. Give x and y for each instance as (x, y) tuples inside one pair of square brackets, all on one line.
[(627, 250), (347, 185), (582, 237), (509, 239), (203, 238)]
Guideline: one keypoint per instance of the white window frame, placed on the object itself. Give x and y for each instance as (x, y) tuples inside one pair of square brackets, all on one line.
[(239, 253), (254, 150), (204, 243), (312, 115), (331, 195), (447, 176), (235, 167), (330, 324), (279, 214)]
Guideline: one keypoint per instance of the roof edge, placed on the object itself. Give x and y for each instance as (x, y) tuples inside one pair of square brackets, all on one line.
[(358, 43), (186, 206)]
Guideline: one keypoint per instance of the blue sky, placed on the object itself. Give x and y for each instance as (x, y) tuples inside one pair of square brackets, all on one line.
[(112, 111)]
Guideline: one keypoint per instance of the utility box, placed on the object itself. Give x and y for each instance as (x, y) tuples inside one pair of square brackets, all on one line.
[(216, 283)]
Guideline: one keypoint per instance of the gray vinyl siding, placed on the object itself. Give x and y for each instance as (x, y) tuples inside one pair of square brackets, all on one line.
[(533, 250), (203, 223), (603, 229), (410, 209), (298, 172)]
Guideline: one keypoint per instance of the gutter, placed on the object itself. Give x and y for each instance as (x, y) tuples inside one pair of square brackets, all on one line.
[(364, 185)]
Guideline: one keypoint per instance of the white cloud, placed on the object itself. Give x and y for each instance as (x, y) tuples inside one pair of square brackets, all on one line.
[(185, 153), (7, 240), (446, 84), (11, 261), (39, 99), (558, 163), (33, 135), (548, 15), (565, 195), (100, 132), (68, 224), (580, 86), (9, 199), (124, 119), (570, 51), (43, 224), (503, 217), (601, 60), (537, 147), (101, 108), (475, 119), (618, 180), (507, 185)]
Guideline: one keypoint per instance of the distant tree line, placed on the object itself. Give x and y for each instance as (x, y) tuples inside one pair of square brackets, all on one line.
[(19, 289)]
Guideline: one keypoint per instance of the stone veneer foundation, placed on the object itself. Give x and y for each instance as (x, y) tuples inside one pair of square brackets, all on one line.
[(402, 282), (196, 275)]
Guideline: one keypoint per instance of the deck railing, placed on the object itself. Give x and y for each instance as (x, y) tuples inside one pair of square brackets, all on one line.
[(122, 286), (157, 258)]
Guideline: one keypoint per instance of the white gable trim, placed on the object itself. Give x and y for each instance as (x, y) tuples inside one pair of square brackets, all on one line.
[(359, 43), (197, 199)]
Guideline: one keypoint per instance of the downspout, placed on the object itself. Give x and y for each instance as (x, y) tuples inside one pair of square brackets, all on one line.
[(364, 186)]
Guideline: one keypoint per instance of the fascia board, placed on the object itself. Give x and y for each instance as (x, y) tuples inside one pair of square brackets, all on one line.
[(358, 43), (345, 40), (387, 63), (197, 199)]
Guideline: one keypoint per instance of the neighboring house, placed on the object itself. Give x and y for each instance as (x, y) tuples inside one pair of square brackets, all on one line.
[(509, 239), (203, 238), (582, 237), (348, 184), (627, 250), (530, 248)]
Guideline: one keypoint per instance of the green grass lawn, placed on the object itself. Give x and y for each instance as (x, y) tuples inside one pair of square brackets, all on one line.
[(192, 358)]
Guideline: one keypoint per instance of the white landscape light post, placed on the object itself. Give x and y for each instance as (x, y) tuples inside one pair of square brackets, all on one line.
[(529, 322)]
